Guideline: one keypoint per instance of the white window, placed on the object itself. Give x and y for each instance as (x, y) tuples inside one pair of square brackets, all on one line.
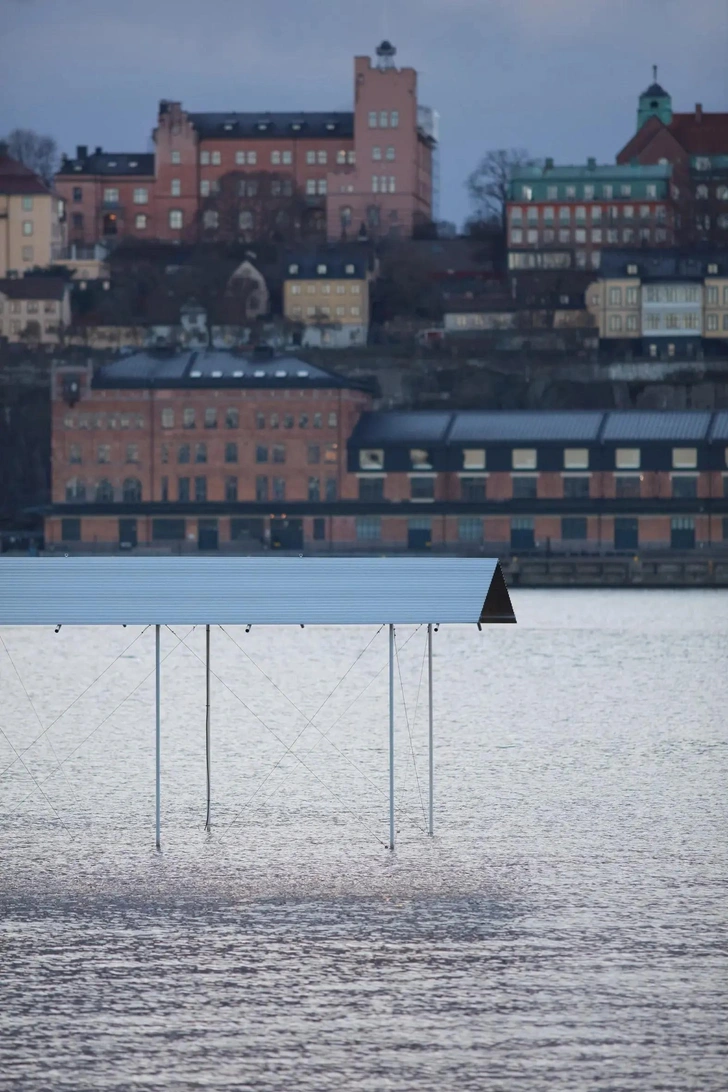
[(372, 119), (712, 322), (167, 417), (210, 219), (625, 190), (516, 215), (473, 458), (552, 193), (516, 236), (548, 214), (322, 158), (615, 324), (615, 297), (651, 189), (390, 152), (576, 458), (633, 323), (141, 195), (216, 158), (310, 157), (175, 219), (523, 458), (701, 192), (176, 157), (564, 214), (245, 220), (533, 235), (27, 253), (354, 289), (204, 158), (287, 157), (376, 152), (28, 204), (354, 311), (240, 158), (394, 119), (564, 235), (295, 290), (644, 212), (588, 193), (527, 193), (321, 186), (205, 187), (175, 188), (371, 459), (627, 458), (596, 214), (631, 296), (607, 190), (111, 195), (628, 212), (392, 184), (27, 227), (596, 235), (275, 157), (383, 119), (580, 235), (310, 185), (140, 221), (571, 191), (684, 458), (627, 235), (375, 183)]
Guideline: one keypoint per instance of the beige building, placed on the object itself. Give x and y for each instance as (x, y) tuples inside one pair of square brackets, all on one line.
[(329, 297), (716, 307), (615, 304), (31, 220), (34, 310)]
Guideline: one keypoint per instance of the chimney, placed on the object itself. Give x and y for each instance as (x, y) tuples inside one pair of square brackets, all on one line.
[(549, 165), (698, 112), (591, 164), (99, 150), (81, 151)]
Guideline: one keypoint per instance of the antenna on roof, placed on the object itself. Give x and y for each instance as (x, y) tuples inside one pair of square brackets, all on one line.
[(654, 73)]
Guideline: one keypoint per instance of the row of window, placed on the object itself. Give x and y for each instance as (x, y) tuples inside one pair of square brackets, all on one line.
[(232, 418), (588, 191), (199, 454), (104, 420), (475, 490), (278, 157), (579, 213), (324, 288), (526, 458), (612, 235), (384, 184), (30, 307), (17, 327), (325, 312), (383, 119), (103, 491)]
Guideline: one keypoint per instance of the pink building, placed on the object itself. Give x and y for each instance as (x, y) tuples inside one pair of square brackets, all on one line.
[(238, 175), (390, 188)]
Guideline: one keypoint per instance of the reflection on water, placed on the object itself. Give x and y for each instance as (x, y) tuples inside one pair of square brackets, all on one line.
[(564, 929)]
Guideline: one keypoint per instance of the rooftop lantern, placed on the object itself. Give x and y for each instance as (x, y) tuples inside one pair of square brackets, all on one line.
[(386, 53)]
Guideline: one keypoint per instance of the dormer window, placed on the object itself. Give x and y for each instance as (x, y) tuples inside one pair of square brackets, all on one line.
[(713, 268), (632, 269), (473, 458), (296, 126), (330, 126), (420, 459), (293, 269), (262, 126), (371, 459), (321, 269), (133, 163), (349, 269), (111, 163)]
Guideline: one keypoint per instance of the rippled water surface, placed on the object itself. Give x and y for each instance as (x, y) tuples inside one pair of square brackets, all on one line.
[(564, 928)]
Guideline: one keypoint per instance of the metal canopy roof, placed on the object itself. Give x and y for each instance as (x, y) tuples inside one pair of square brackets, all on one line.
[(251, 590)]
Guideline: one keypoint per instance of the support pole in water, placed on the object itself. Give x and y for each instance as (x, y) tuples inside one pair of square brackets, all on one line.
[(207, 720), (432, 760), (159, 740), (391, 737)]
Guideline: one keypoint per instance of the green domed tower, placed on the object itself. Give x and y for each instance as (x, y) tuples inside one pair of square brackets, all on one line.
[(654, 102)]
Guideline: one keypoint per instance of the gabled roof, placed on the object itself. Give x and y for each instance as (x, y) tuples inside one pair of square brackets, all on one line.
[(659, 264), (216, 368), (703, 134), (342, 267), (34, 288), (236, 125), (110, 164), (17, 179)]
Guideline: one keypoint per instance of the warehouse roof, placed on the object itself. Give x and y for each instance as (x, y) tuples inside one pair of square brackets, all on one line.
[(719, 431), (401, 427), (654, 425), (216, 368), (549, 426)]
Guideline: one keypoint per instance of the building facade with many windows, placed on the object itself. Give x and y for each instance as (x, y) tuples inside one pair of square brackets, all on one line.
[(252, 175), (565, 217), (32, 219)]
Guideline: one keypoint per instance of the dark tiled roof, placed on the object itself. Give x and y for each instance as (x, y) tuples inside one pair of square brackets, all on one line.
[(334, 265), (34, 288), (707, 135), (401, 427), (677, 425), (234, 126), (655, 91), (15, 178), (719, 431), (110, 163), (215, 368), (653, 264), (536, 426)]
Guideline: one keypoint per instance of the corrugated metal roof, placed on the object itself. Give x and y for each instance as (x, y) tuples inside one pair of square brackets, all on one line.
[(532, 427), (215, 367), (401, 427), (673, 425), (719, 430), (259, 591)]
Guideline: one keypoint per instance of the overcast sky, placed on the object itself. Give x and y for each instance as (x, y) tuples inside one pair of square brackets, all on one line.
[(558, 77)]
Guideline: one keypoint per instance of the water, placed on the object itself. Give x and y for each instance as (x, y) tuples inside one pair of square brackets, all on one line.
[(565, 928)]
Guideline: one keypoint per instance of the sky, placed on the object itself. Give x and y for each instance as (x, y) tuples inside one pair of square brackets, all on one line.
[(559, 78)]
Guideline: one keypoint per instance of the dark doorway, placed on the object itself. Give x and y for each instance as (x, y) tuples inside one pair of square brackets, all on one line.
[(127, 534), (286, 534), (419, 534), (522, 534), (682, 533), (111, 225), (247, 532), (626, 533), (207, 534)]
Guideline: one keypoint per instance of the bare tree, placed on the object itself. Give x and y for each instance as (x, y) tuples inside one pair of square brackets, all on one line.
[(39, 153), (489, 182), (258, 206)]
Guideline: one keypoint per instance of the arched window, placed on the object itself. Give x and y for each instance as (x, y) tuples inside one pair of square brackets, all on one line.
[(104, 492), (75, 490), (132, 490)]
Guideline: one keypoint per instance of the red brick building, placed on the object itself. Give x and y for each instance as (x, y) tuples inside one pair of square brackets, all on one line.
[(250, 175)]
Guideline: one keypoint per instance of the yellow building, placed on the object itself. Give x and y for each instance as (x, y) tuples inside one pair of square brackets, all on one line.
[(329, 297), (35, 310), (30, 220)]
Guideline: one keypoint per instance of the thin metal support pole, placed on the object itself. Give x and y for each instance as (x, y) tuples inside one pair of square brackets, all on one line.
[(432, 761), (207, 720), (159, 738), (391, 737)]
